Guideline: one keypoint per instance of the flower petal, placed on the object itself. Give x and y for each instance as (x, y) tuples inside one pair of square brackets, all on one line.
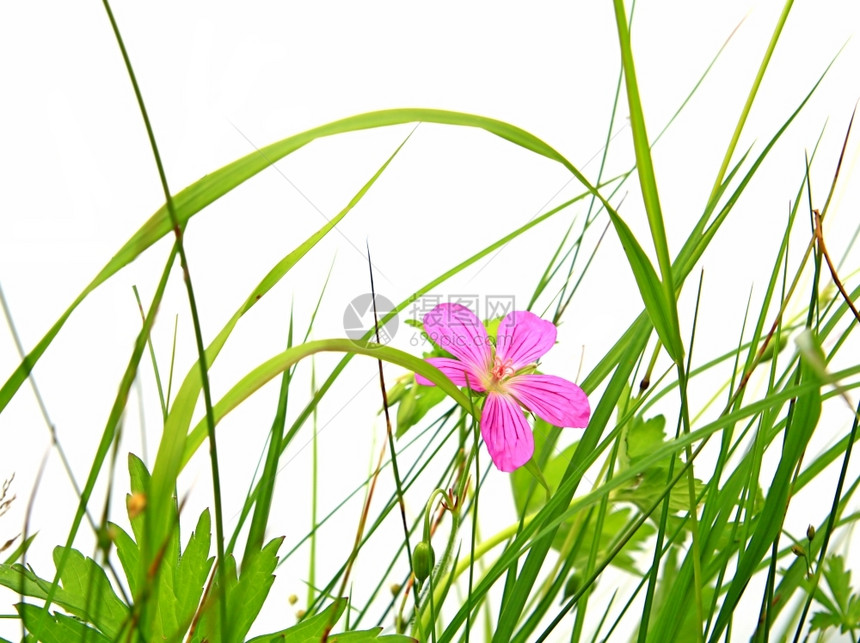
[(523, 338), (456, 329), (507, 433), (455, 370), (554, 399)]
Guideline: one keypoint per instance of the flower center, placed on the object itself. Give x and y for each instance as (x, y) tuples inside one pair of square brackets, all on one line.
[(502, 370)]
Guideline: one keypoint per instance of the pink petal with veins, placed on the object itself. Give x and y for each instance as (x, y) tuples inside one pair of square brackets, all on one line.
[(456, 329), (552, 398), (524, 338), (455, 370), (508, 436)]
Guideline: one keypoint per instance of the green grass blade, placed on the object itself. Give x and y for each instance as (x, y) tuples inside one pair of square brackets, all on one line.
[(802, 420), (211, 187), (668, 311)]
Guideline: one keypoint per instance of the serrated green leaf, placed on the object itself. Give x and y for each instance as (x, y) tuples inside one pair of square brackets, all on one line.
[(21, 580), (56, 628), (82, 577), (640, 438), (823, 620), (839, 580), (309, 629), (246, 593), (193, 569)]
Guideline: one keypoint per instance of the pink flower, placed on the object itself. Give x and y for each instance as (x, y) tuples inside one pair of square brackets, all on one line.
[(505, 372)]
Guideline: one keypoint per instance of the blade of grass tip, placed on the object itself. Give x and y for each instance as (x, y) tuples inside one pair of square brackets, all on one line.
[(198, 337), (256, 488), (665, 127), (648, 184), (257, 530), (152, 356), (736, 135)]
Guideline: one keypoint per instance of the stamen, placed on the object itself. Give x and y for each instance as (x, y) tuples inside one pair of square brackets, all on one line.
[(502, 370)]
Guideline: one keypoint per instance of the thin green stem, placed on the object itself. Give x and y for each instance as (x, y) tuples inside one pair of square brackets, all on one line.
[(198, 335)]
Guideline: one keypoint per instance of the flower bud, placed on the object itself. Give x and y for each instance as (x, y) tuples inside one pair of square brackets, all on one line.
[(810, 533), (798, 551), (423, 560), (572, 585), (136, 503)]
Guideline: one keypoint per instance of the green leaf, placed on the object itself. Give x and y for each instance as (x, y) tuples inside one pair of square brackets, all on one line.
[(528, 501), (416, 401), (83, 578), (660, 296), (24, 581), (245, 592), (129, 556), (657, 305), (309, 629), (56, 628), (839, 581), (139, 479), (192, 570), (823, 620), (639, 439)]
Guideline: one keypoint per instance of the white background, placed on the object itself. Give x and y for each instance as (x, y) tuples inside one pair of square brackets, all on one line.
[(77, 179)]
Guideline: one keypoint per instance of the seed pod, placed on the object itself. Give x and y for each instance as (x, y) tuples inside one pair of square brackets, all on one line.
[(423, 560)]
